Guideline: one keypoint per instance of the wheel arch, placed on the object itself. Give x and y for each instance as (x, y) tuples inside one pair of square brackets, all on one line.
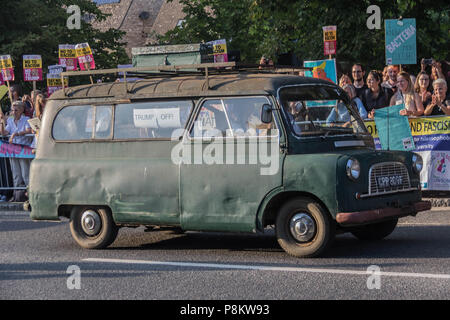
[(273, 203)]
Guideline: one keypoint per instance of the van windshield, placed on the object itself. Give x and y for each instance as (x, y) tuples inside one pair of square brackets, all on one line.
[(321, 110)]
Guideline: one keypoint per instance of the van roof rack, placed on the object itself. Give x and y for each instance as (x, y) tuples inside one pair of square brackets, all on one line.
[(205, 69)]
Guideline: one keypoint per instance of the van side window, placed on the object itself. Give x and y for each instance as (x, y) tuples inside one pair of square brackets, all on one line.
[(239, 116), (212, 121), (76, 123), (163, 119)]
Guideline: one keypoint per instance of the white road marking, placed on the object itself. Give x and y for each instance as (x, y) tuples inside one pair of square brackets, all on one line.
[(270, 268)]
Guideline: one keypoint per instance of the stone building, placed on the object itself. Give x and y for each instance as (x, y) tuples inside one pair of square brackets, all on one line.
[(142, 20)]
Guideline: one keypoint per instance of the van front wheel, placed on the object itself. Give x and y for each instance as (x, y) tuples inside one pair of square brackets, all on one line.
[(304, 228), (93, 228)]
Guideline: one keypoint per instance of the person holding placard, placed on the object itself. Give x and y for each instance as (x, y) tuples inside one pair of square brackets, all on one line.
[(406, 95)]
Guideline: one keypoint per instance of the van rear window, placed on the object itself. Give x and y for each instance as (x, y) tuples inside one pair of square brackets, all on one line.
[(77, 123)]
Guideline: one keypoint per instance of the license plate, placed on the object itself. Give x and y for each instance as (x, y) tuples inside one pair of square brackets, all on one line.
[(389, 181)]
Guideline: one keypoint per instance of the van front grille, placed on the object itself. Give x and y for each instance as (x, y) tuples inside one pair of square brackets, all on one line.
[(388, 177)]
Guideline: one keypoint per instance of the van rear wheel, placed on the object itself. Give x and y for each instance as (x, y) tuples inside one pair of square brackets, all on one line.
[(304, 228), (93, 228)]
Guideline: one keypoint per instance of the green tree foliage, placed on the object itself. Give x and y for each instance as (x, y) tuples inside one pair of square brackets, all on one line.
[(272, 27), (39, 26)]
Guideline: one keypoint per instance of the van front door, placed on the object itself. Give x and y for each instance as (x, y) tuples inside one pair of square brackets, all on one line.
[(229, 161)]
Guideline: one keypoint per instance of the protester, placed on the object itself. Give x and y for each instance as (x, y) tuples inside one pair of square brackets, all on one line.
[(15, 93), (440, 102), (391, 82), (385, 74), (18, 127), (423, 87), (28, 105), (374, 97), (39, 112), (344, 79), (358, 79), (406, 95), (264, 61)]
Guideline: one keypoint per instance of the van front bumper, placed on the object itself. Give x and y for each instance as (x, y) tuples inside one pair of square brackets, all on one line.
[(363, 217)]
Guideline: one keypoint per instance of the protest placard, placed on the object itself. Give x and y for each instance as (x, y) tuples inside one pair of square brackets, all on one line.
[(54, 83), (322, 69), (400, 40), (68, 56), (393, 129), (329, 40), (32, 68), (219, 50), (85, 56), (6, 68)]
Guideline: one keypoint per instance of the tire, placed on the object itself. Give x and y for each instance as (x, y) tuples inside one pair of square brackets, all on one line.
[(93, 228), (376, 231), (295, 233)]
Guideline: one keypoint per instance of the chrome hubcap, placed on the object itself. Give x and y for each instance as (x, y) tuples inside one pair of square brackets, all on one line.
[(303, 227), (91, 222)]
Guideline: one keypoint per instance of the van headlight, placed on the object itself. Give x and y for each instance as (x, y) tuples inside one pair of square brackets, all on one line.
[(417, 163), (353, 169)]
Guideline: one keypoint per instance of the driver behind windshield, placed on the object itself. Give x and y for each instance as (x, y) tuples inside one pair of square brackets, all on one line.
[(339, 114)]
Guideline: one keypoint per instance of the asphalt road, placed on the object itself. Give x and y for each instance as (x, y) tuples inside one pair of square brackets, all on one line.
[(40, 260)]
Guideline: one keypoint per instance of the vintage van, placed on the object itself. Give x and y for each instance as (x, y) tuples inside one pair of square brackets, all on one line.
[(235, 151)]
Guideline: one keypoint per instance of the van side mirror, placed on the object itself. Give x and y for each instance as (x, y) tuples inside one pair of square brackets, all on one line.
[(266, 113)]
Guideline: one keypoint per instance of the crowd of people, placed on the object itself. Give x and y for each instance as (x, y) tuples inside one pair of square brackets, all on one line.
[(422, 95), (14, 124)]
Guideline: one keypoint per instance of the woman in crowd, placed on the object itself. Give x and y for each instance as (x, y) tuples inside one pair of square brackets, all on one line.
[(375, 97), (345, 79), (39, 104), (440, 101), (423, 87), (28, 105), (407, 96), (18, 127)]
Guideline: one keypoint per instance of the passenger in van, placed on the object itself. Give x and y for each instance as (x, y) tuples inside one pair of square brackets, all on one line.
[(340, 114), (296, 112)]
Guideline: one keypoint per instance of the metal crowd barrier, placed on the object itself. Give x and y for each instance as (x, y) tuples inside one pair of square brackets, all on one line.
[(6, 179)]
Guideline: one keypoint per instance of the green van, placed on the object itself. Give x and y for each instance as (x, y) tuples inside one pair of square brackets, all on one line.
[(232, 151)]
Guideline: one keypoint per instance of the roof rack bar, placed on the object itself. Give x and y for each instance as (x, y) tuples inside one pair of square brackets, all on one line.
[(153, 68), (173, 68)]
